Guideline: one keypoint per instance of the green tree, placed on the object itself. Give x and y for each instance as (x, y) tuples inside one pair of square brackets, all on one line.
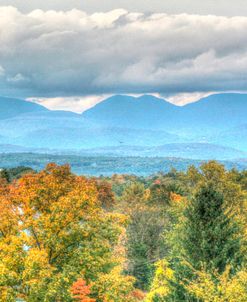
[(145, 244), (211, 237), (204, 238), (5, 175)]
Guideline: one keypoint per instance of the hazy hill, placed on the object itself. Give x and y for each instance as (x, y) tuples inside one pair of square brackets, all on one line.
[(213, 127), (179, 150), (146, 112), (105, 165), (10, 107), (82, 137), (219, 110), (210, 115), (236, 137)]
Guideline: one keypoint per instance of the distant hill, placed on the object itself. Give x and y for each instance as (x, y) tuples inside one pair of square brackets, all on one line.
[(218, 110), (146, 112), (210, 114), (213, 127), (81, 137), (10, 107), (179, 150), (195, 151), (105, 165), (236, 137), (25, 124)]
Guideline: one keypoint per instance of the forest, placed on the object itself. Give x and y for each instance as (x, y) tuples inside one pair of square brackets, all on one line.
[(173, 236)]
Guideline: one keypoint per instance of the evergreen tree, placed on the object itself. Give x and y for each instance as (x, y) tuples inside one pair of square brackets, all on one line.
[(5, 175), (204, 239), (145, 244), (211, 237)]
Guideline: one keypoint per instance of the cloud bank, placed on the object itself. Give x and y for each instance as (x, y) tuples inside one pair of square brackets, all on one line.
[(56, 54)]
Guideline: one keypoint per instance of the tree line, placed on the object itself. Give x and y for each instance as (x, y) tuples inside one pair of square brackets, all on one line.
[(179, 236)]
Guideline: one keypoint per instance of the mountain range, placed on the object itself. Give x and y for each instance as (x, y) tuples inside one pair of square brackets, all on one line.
[(214, 127)]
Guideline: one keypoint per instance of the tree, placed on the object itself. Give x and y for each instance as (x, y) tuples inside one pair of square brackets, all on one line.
[(219, 287), (211, 237), (5, 175), (145, 243), (162, 189), (116, 287), (161, 288), (204, 242), (223, 182), (105, 194), (53, 231)]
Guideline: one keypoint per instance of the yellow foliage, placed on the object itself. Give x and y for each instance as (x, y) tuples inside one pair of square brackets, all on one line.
[(219, 288), (115, 287), (160, 286), (53, 230)]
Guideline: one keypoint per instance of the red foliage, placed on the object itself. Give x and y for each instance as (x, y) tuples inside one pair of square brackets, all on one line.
[(105, 194), (157, 182)]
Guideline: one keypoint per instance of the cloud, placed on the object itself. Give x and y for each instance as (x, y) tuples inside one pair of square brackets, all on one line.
[(63, 54), (181, 99), (74, 104), (219, 7)]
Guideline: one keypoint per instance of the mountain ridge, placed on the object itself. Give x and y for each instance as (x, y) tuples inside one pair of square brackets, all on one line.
[(11, 107), (145, 121)]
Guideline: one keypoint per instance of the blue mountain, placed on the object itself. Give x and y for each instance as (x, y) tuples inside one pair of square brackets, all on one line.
[(129, 123), (10, 107), (224, 110), (215, 112), (147, 112)]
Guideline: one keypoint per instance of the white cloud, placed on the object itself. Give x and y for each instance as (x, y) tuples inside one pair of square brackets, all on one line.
[(74, 104), (181, 99), (54, 53)]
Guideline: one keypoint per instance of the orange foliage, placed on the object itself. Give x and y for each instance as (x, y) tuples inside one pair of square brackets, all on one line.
[(176, 197), (57, 217), (105, 194), (81, 291), (138, 295)]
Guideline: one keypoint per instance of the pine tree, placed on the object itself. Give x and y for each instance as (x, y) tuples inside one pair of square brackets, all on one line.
[(5, 175), (211, 237), (205, 240)]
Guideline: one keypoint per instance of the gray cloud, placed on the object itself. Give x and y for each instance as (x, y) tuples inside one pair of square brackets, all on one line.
[(75, 53), (213, 7)]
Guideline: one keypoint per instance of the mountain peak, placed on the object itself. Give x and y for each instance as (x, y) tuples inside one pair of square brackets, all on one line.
[(11, 107), (145, 111), (221, 99), (126, 100)]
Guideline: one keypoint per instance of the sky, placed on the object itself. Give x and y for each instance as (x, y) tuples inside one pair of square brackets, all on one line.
[(213, 7), (72, 54)]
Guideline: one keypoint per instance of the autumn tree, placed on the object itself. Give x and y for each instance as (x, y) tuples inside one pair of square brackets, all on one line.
[(162, 189), (145, 244), (219, 287), (105, 194), (53, 230), (222, 180)]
